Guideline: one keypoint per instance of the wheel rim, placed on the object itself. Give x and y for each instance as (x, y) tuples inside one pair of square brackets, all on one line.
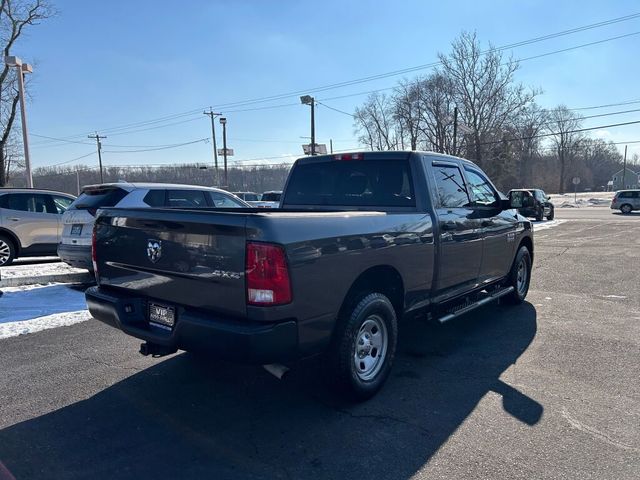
[(521, 279), (370, 347), (626, 208), (5, 252)]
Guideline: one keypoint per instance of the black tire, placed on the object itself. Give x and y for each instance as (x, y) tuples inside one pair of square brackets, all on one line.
[(7, 251), (348, 375), (540, 214), (626, 208), (552, 214), (519, 290)]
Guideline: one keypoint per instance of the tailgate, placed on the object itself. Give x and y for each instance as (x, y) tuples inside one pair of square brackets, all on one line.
[(177, 257)]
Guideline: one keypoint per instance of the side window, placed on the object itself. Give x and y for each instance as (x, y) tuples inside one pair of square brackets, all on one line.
[(451, 190), (186, 199), (60, 204), (220, 200), (155, 198), (625, 195), (482, 192), (27, 202)]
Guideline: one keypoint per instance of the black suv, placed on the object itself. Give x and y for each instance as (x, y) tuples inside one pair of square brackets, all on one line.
[(537, 204)]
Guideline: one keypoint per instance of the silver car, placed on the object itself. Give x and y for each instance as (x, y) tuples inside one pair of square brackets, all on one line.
[(626, 201), (75, 242), (30, 222)]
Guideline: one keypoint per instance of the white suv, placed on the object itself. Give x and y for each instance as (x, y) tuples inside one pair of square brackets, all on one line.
[(30, 222), (75, 242)]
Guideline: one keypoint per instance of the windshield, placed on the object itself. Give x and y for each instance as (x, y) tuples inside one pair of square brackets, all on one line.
[(98, 198), (366, 183)]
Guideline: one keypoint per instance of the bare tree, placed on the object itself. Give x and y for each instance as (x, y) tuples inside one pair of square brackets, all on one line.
[(563, 123), (484, 88), (376, 124), (437, 114), (529, 124), (15, 16)]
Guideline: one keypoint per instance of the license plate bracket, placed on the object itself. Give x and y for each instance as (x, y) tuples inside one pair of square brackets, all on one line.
[(76, 229), (163, 316)]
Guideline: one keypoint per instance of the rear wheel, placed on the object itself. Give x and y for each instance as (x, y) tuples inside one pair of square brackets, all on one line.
[(626, 208), (7, 251), (519, 277), (364, 346)]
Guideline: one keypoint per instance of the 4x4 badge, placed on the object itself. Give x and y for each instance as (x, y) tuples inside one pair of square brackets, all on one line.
[(154, 250)]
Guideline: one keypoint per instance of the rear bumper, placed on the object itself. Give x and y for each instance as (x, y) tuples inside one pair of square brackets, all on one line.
[(229, 339), (76, 255)]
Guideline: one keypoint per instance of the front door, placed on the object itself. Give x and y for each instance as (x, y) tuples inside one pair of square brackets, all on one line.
[(459, 231), (498, 226)]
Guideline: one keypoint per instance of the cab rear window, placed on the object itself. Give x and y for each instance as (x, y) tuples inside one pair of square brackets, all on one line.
[(359, 183)]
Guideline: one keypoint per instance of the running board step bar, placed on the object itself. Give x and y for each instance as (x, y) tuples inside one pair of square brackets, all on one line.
[(479, 303)]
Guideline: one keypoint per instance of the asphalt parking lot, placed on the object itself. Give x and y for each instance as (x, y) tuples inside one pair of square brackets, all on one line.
[(549, 389)]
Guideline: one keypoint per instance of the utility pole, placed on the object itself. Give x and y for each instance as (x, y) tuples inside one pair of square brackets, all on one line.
[(213, 115), (97, 138), (223, 122), (624, 168), (78, 181), (331, 145), (455, 131)]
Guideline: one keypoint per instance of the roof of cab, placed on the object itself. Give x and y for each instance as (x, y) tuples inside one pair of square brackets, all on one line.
[(381, 154)]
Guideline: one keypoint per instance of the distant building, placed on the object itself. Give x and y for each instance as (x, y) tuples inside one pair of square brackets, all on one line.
[(631, 180)]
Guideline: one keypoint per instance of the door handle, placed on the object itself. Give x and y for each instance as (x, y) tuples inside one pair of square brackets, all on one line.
[(485, 224), (14, 219)]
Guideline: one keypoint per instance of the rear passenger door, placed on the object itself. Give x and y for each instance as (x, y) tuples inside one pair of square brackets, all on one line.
[(460, 237), (498, 226)]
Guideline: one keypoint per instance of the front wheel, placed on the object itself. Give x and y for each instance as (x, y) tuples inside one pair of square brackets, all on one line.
[(551, 214), (519, 277), (364, 346), (540, 214)]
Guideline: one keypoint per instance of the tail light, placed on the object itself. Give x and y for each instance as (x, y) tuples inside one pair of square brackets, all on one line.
[(267, 275), (94, 257)]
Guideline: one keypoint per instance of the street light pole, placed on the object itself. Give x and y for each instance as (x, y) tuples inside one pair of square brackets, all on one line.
[(223, 122), (21, 69), (309, 100)]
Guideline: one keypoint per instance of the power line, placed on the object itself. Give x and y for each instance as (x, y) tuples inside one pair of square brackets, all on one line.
[(165, 147), (335, 109)]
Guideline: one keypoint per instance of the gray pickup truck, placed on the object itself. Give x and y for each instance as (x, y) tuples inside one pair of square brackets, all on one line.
[(361, 241)]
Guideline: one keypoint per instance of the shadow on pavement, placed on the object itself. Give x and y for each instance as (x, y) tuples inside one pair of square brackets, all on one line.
[(186, 418)]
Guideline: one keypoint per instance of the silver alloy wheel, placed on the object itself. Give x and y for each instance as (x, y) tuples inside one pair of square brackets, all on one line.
[(371, 347), (626, 209), (521, 279), (5, 252)]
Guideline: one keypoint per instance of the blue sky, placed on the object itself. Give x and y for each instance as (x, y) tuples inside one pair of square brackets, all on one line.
[(100, 65)]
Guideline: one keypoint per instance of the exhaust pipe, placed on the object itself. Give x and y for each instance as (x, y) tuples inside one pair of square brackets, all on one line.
[(276, 369), (156, 350)]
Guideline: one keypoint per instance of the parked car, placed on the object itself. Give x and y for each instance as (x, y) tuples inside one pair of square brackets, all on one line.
[(30, 222), (626, 201), (269, 199), (356, 246), (537, 204), (75, 241)]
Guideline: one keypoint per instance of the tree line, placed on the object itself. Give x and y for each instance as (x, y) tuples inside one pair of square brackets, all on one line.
[(472, 106), (67, 179)]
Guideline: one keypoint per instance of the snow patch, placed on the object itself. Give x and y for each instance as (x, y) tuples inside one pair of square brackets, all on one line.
[(537, 226), (13, 329)]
